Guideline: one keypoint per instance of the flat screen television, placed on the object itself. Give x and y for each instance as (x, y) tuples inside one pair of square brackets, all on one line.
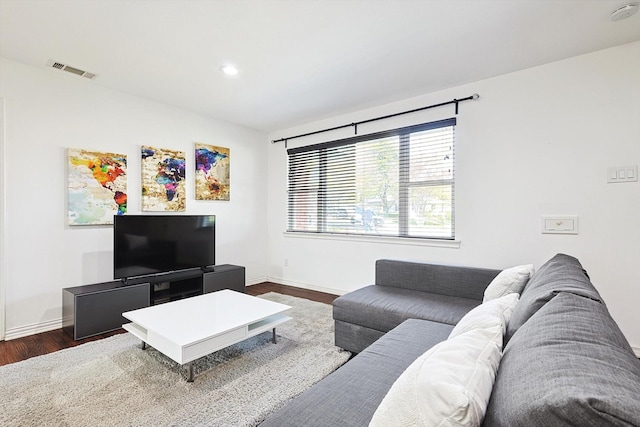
[(154, 244)]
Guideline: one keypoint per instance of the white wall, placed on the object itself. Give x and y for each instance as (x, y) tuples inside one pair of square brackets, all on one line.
[(47, 111), (537, 142), (2, 222)]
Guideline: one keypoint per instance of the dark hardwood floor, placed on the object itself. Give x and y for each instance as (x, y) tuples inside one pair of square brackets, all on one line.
[(47, 342)]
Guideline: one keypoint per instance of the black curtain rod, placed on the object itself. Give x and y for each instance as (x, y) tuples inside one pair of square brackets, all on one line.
[(355, 124)]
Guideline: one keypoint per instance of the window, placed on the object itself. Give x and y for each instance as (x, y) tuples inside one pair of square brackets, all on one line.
[(393, 183)]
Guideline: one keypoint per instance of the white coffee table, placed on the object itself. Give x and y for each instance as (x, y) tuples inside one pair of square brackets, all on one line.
[(188, 329)]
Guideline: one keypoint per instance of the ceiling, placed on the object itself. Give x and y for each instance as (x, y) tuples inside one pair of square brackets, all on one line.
[(301, 60)]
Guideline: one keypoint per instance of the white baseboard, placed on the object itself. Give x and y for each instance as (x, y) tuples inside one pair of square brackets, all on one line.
[(636, 350), (256, 281), (281, 281), (37, 328)]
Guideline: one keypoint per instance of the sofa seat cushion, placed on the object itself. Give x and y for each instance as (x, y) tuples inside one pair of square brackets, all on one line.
[(562, 273), (384, 307), (351, 395), (569, 365)]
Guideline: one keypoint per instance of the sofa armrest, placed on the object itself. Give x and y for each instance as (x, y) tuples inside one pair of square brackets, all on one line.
[(464, 282)]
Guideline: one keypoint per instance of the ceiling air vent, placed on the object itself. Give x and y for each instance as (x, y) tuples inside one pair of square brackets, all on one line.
[(70, 69)]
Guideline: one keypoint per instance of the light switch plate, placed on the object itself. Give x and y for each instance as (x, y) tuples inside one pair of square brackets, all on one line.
[(560, 224), (622, 174)]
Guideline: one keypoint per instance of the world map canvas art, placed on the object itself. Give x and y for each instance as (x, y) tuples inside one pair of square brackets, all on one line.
[(212, 172), (97, 187), (163, 180)]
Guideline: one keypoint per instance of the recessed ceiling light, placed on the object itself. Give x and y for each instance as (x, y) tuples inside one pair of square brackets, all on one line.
[(624, 11), (229, 70)]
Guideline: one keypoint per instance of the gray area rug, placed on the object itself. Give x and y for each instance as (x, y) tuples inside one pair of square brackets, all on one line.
[(113, 382)]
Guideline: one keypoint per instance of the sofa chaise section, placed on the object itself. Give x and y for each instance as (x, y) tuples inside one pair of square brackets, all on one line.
[(407, 290)]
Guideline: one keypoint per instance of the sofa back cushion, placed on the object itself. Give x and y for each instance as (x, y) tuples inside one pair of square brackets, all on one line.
[(562, 273), (568, 365), (463, 282)]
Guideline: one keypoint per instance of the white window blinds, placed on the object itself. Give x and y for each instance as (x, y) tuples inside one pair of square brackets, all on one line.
[(393, 183)]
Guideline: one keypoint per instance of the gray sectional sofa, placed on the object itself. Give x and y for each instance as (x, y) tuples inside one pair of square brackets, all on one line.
[(565, 361)]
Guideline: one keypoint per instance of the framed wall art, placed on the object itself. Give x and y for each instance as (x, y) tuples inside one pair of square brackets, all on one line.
[(97, 187), (212, 172), (163, 180)]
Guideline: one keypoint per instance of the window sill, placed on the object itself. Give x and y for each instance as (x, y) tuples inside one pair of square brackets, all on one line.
[(412, 241)]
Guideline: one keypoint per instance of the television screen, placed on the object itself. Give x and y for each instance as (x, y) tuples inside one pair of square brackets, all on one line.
[(151, 244)]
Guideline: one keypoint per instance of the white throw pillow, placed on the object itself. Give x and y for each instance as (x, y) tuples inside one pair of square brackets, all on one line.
[(484, 315), (511, 280), (449, 385)]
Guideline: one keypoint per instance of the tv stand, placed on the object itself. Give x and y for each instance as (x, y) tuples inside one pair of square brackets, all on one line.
[(95, 309), (171, 287)]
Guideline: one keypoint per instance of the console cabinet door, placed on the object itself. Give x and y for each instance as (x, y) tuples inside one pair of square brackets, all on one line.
[(90, 312), (224, 277)]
